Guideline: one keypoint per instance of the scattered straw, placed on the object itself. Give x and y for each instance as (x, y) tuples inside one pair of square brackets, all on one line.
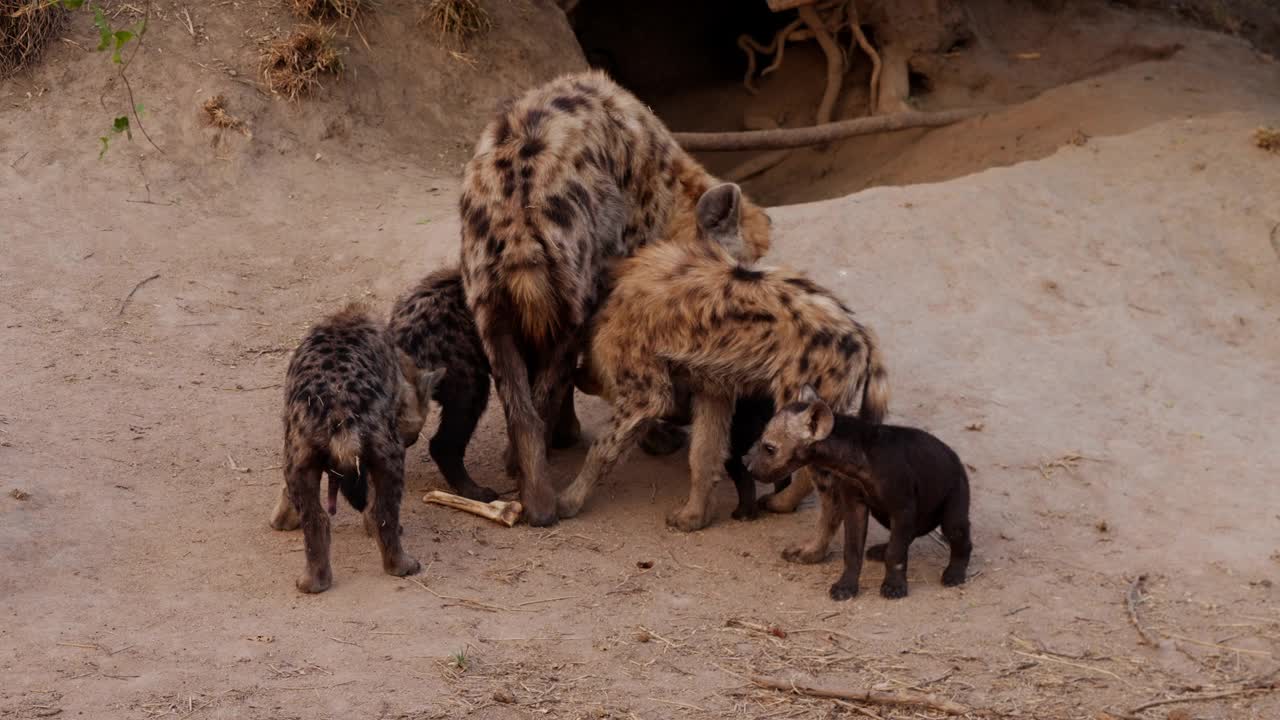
[(292, 66), (26, 27), (1267, 138), (330, 10), (457, 21)]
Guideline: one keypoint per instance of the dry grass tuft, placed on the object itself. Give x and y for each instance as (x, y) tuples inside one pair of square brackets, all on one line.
[(26, 27), (330, 10), (216, 108), (292, 66), (1267, 138), (457, 21)]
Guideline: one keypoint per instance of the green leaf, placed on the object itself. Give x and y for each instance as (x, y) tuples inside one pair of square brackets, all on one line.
[(121, 37), (105, 144), (138, 109), (121, 125), (104, 29), (423, 221), (72, 4)]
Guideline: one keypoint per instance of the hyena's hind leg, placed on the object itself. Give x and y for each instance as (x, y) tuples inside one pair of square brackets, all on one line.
[(461, 405), (285, 515), (304, 491), (708, 448), (642, 401), (386, 475), (526, 431)]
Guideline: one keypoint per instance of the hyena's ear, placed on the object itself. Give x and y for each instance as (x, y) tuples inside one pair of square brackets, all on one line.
[(408, 367), (719, 216), (819, 420), (808, 395)]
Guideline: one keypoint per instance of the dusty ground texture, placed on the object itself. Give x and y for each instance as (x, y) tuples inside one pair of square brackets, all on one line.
[(1095, 330)]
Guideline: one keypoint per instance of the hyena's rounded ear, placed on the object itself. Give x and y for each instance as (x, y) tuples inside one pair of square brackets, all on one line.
[(719, 214)]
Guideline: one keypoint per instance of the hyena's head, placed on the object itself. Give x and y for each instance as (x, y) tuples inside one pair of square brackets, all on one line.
[(723, 214), (789, 437), (416, 388)]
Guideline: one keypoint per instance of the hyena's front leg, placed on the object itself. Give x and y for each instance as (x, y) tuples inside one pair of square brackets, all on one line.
[(285, 515), (789, 497), (829, 518), (707, 451)]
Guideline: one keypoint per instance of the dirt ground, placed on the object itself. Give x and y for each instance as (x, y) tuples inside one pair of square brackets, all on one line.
[(1093, 325)]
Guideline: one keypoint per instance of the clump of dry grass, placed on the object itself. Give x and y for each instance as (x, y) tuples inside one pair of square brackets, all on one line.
[(457, 21), (330, 10), (216, 108), (1267, 138), (292, 66), (26, 27)]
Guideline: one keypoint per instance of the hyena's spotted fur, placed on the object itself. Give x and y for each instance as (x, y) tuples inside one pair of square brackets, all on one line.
[(575, 173), (352, 404), (729, 330)]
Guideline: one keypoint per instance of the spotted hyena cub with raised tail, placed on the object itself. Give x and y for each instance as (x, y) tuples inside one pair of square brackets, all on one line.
[(572, 175), (729, 330), (352, 405), (909, 480)]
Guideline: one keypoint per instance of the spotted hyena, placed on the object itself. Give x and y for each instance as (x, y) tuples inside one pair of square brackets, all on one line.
[(352, 405), (910, 481), (574, 174), (692, 311)]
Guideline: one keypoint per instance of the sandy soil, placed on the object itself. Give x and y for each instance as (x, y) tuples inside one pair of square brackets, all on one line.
[(1095, 330)]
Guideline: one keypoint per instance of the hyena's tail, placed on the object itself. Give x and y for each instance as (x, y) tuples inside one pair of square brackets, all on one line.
[(345, 449), (875, 388)]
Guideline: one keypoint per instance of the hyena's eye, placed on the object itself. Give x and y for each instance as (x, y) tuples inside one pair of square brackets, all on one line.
[(771, 449)]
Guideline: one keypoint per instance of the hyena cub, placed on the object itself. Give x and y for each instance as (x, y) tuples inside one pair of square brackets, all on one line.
[(432, 325), (693, 312), (573, 174), (352, 404), (909, 480)]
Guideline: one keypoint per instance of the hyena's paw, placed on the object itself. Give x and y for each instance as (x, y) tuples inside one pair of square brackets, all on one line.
[(318, 582), (285, 515), (893, 589), (804, 554), (747, 511), (843, 591), (876, 552), (403, 565), (954, 575), (688, 519)]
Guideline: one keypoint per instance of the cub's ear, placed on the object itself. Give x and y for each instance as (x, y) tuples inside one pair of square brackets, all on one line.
[(408, 367), (821, 421), (719, 217)]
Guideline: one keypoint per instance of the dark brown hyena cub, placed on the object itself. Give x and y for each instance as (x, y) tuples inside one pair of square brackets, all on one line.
[(432, 325), (909, 480), (352, 405)]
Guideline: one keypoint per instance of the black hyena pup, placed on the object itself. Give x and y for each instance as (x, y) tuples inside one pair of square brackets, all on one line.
[(353, 402), (909, 480)]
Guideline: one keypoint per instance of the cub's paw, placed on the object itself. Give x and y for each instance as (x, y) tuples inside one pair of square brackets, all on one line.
[(894, 589), (840, 591)]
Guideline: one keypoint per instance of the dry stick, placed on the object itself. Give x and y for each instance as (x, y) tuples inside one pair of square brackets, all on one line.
[(870, 51), (756, 165), (835, 62), (1132, 599), (1204, 698), (877, 697), (817, 134), (129, 297)]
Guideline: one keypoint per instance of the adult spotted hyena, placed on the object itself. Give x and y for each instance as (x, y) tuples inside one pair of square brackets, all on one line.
[(352, 405), (572, 175), (695, 313)]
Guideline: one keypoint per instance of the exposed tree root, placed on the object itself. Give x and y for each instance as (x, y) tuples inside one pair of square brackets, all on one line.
[(815, 135)]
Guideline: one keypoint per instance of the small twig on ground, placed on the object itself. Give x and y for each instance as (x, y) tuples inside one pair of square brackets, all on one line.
[(1132, 599), (466, 602), (129, 297), (901, 699), (1050, 658), (1204, 698), (773, 630), (547, 600)]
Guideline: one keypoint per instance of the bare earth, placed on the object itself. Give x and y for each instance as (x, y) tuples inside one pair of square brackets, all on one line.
[(1096, 331)]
